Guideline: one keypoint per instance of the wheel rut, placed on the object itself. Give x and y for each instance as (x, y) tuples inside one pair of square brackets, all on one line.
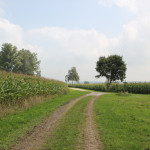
[(35, 139), (92, 141)]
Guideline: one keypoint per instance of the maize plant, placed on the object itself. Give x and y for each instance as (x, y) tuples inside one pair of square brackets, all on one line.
[(138, 88), (16, 87)]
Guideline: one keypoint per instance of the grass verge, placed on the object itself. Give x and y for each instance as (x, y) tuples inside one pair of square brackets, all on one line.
[(8, 109), (66, 134), (17, 125), (124, 121)]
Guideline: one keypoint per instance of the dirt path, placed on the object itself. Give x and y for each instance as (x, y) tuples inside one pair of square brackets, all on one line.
[(78, 89), (37, 137), (39, 134), (92, 141)]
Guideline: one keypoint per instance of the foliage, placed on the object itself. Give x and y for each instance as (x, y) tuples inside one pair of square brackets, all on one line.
[(15, 87), (8, 56), (29, 62), (139, 88), (72, 75), (123, 121), (112, 67), (22, 61)]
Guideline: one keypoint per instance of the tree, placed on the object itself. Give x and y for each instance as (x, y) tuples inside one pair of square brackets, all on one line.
[(22, 61), (8, 56), (112, 67), (72, 75), (66, 78), (29, 63)]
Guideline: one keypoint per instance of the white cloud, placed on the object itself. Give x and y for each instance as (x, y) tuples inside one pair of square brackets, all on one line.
[(59, 48), (80, 48), (134, 43), (138, 7), (10, 33)]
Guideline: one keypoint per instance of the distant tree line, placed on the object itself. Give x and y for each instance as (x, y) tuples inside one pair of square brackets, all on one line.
[(19, 61)]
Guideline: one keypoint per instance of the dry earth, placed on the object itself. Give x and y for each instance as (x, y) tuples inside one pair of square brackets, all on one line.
[(92, 141)]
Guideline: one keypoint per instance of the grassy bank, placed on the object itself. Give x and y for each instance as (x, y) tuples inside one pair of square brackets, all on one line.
[(124, 121), (15, 126), (66, 135)]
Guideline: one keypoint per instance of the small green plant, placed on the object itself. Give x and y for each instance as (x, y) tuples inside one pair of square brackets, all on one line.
[(123, 94)]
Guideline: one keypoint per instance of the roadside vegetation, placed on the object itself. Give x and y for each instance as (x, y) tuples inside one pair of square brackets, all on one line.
[(123, 121), (137, 88), (16, 87), (66, 134), (17, 125)]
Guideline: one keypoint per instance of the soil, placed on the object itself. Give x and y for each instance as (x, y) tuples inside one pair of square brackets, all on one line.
[(92, 140)]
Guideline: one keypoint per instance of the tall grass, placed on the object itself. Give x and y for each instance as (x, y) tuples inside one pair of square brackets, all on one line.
[(16, 87), (138, 88)]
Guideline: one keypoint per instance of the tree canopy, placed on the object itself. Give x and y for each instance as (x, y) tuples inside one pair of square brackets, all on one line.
[(8, 57), (113, 68), (72, 75), (22, 61)]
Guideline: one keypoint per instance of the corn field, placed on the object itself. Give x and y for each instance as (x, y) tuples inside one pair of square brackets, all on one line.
[(16, 87), (138, 88)]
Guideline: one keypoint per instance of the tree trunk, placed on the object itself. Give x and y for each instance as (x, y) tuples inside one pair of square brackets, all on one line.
[(108, 84)]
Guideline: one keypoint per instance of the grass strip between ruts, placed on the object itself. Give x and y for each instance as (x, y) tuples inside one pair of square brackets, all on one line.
[(124, 121), (65, 136), (17, 125)]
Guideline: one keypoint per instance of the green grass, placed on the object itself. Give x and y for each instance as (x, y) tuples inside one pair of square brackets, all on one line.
[(66, 134), (124, 121), (15, 126)]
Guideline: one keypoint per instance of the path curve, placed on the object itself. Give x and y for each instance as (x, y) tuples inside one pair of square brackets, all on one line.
[(39, 134)]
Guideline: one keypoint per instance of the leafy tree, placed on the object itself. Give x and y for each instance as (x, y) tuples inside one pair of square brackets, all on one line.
[(8, 57), (72, 75), (22, 61), (29, 63), (112, 67)]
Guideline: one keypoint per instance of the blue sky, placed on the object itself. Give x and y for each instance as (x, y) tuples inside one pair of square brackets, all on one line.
[(79, 14), (76, 33)]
